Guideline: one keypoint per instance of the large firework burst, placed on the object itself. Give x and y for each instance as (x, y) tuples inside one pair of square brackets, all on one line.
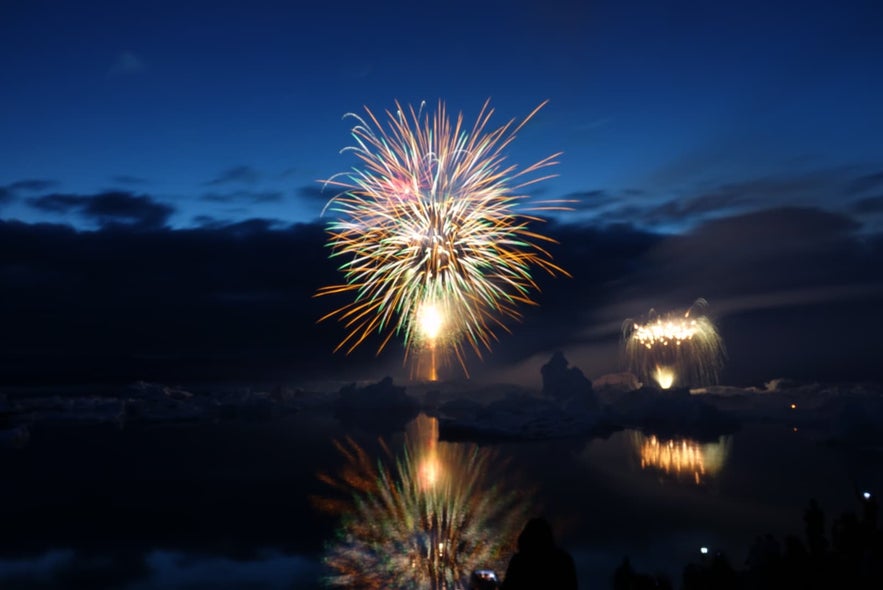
[(679, 348), (423, 520), (438, 249)]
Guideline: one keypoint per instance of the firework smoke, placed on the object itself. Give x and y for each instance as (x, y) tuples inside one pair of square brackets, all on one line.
[(433, 221), (423, 520), (680, 348)]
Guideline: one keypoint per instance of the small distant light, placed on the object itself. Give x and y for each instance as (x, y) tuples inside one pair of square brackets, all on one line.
[(794, 429), (793, 406), (486, 575), (866, 495), (703, 550)]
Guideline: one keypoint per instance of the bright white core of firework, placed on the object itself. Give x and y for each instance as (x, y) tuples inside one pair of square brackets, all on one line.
[(431, 321), (664, 376), (670, 331)]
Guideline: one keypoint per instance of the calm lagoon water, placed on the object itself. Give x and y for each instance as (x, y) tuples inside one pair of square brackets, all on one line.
[(226, 504)]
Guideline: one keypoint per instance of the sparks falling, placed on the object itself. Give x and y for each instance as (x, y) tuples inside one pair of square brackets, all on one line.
[(424, 519), (434, 220), (681, 348)]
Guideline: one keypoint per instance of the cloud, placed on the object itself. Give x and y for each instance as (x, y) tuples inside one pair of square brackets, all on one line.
[(316, 197), (32, 185), (124, 208), (765, 250), (57, 203), (69, 569), (697, 207), (870, 205), (287, 173), (685, 209), (316, 193), (126, 63), (244, 196), (129, 180), (12, 191), (207, 222), (237, 175), (108, 209), (865, 183), (591, 200), (168, 304), (796, 292)]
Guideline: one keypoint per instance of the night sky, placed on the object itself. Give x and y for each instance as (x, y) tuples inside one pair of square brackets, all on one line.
[(160, 166)]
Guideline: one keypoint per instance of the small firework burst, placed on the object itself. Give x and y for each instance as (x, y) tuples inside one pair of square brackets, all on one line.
[(682, 348), (425, 519), (432, 228)]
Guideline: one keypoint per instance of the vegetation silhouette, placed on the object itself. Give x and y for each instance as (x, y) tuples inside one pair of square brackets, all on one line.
[(852, 557)]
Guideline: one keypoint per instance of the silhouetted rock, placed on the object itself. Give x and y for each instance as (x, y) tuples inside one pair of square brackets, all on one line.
[(615, 383), (383, 394), (566, 384), (380, 406)]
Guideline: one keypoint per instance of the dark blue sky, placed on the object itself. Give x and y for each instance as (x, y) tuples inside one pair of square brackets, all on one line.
[(667, 112), (731, 151)]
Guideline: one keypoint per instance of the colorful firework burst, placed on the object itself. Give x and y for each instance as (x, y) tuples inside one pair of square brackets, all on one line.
[(439, 250), (426, 519), (681, 348)]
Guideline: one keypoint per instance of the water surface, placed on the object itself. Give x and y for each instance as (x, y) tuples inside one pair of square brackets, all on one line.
[(227, 504)]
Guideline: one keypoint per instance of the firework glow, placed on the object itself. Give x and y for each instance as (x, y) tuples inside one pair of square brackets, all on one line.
[(664, 376), (433, 228), (426, 519), (681, 348), (682, 458)]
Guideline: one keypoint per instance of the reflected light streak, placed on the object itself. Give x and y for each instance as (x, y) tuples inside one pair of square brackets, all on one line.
[(426, 517), (682, 458)]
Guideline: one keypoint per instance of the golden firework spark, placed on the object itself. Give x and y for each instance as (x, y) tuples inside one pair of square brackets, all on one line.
[(681, 348), (433, 222), (425, 519)]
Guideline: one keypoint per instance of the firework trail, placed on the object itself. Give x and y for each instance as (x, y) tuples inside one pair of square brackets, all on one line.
[(677, 348), (423, 520), (436, 245)]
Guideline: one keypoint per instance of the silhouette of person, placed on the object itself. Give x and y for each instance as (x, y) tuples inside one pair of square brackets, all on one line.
[(539, 563)]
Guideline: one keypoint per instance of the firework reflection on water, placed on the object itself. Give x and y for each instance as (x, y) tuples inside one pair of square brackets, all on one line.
[(426, 517), (681, 458)]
